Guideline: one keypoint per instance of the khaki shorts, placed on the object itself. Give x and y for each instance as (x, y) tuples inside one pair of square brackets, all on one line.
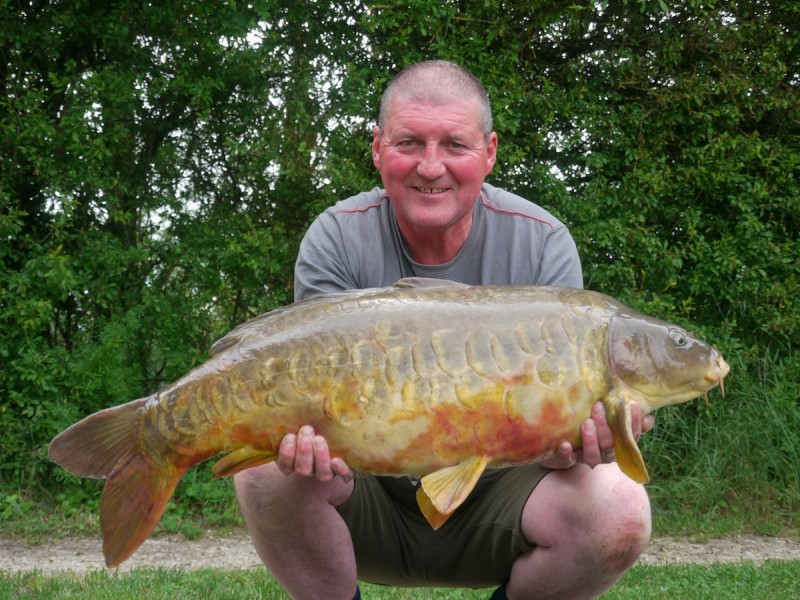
[(395, 545)]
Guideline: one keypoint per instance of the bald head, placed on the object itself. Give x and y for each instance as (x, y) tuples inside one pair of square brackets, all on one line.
[(437, 82)]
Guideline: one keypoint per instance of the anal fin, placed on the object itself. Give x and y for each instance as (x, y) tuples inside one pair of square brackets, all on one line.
[(241, 459), (443, 491)]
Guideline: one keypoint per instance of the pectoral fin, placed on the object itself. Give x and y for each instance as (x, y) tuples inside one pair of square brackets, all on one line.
[(241, 459), (443, 491), (629, 457)]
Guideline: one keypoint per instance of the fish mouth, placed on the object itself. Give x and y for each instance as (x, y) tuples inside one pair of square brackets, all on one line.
[(718, 376)]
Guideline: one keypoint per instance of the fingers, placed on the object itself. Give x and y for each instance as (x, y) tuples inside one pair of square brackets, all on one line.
[(341, 469), (591, 453), (597, 439), (648, 422), (605, 437), (640, 424), (307, 454), (566, 455), (286, 454), (304, 457), (563, 457)]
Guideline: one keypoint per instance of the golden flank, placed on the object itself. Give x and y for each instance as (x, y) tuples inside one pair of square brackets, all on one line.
[(427, 378)]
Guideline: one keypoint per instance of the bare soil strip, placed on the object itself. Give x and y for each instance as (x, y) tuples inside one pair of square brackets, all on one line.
[(236, 552)]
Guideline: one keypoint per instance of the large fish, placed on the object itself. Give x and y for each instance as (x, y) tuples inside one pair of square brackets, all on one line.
[(426, 378)]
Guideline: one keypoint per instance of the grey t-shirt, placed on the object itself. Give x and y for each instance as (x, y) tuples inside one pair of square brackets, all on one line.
[(356, 244)]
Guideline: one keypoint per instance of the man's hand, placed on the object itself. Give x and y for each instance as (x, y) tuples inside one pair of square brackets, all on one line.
[(596, 439), (307, 454)]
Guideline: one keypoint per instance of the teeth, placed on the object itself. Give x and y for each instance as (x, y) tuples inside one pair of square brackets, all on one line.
[(431, 190)]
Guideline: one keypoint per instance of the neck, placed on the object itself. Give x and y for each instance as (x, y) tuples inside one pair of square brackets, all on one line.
[(435, 247)]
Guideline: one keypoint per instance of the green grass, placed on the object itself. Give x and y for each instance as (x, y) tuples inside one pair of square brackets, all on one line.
[(731, 462), (773, 579), (200, 503), (770, 580)]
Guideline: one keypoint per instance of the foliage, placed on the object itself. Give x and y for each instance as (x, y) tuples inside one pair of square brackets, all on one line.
[(149, 205), (159, 163), (667, 138)]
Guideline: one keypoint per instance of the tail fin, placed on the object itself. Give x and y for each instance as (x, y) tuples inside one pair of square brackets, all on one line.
[(104, 446)]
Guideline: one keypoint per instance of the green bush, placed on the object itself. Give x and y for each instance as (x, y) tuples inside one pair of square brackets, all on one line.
[(158, 166)]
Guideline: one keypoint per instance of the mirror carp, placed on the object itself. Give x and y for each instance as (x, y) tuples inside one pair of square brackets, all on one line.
[(426, 378)]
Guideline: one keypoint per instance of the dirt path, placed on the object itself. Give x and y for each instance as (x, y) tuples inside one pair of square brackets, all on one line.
[(236, 552)]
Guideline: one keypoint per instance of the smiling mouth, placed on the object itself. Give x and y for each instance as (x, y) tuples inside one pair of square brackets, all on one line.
[(425, 190)]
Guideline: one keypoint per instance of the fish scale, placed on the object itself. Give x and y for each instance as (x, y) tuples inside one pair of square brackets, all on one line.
[(427, 378)]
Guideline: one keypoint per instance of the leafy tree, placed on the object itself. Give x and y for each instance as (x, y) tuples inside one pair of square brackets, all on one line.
[(156, 168), (667, 137), (159, 163)]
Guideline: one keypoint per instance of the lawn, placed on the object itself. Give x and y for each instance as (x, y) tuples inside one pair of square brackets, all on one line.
[(770, 580)]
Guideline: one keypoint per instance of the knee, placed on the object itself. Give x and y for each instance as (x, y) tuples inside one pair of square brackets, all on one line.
[(267, 496), (622, 521), (599, 515), (245, 482), (256, 487)]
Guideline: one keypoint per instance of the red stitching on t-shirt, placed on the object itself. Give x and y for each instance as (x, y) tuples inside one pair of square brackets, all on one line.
[(513, 213), (361, 209)]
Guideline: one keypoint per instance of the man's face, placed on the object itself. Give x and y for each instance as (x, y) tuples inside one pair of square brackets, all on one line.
[(433, 160)]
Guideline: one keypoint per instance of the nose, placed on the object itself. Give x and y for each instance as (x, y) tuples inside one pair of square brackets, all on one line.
[(430, 164)]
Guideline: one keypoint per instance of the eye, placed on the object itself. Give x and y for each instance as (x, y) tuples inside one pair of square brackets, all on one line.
[(678, 338)]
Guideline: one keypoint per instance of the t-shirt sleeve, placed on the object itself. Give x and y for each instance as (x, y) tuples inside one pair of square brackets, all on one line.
[(560, 262), (322, 266)]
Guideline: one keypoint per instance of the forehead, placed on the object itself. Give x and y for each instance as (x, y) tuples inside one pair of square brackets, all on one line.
[(417, 116)]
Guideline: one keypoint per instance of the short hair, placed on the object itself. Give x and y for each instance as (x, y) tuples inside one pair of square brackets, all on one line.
[(438, 82)]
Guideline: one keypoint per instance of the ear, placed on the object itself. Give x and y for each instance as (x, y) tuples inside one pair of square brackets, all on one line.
[(376, 147), (491, 152)]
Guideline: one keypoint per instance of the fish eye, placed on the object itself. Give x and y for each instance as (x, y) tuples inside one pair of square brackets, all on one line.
[(678, 338)]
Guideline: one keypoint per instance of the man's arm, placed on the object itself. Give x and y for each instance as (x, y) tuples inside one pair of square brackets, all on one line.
[(560, 263), (322, 266)]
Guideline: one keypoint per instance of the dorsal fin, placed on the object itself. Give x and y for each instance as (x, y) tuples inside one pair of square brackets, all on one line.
[(428, 282), (261, 325)]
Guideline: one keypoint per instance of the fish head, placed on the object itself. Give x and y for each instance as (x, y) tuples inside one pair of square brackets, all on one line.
[(662, 362)]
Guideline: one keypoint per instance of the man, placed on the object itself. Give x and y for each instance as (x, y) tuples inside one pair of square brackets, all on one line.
[(570, 530)]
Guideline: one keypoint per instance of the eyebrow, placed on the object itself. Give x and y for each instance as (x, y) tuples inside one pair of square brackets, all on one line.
[(461, 138)]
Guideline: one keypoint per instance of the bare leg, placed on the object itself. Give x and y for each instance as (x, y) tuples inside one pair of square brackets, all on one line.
[(590, 526), (297, 532)]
